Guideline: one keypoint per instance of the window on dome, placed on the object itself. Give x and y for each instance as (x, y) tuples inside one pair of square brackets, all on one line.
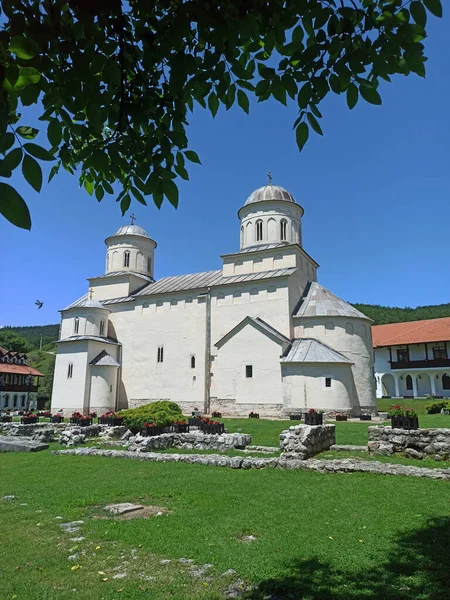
[(126, 259), (149, 264), (76, 326), (259, 231), (283, 228), (102, 327)]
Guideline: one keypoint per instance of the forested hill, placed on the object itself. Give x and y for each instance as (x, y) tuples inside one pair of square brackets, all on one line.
[(392, 314), (33, 333)]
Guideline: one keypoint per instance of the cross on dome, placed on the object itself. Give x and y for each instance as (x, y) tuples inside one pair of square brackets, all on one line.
[(133, 218), (269, 176)]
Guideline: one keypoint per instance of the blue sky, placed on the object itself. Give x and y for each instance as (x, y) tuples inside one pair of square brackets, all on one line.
[(375, 189)]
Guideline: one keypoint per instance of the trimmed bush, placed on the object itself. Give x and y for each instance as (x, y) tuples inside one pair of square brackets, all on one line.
[(163, 413), (435, 407)]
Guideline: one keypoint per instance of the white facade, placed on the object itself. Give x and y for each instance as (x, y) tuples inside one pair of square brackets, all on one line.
[(220, 340)]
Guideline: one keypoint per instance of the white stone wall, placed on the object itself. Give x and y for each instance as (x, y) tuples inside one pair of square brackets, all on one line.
[(88, 322), (351, 337), (248, 347), (140, 249), (103, 388), (271, 214)]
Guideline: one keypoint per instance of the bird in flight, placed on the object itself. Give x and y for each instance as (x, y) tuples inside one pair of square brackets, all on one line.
[(39, 304)]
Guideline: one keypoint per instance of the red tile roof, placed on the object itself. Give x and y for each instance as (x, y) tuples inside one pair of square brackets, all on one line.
[(19, 370), (412, 332)]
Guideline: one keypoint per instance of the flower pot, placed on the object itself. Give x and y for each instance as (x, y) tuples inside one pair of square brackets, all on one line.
[(296, 417), (194, 421), (216, 415), (253, 415), (313, 418), (405, 422), (341, 417), (6, 419), (151, 431), (365, 418), (115, 421), (102, 420), (81, 422), (29, 420), (212, 428), (397, 422), (57, 419), (180, 428)]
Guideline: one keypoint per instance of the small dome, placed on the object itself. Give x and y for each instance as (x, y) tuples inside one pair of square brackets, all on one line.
[(88, 303), (132, 230), (269, 192)]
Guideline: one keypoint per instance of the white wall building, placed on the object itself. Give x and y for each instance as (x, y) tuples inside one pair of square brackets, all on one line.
[(259, 334), (412, 358)]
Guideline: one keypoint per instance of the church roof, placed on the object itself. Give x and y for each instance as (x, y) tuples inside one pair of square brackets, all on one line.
[(117, 273), (270, 192), (308, 350), (259, 324), (319, 302), (195, 281), (132, 230), (94, 338), (104, 360), (86, 302)]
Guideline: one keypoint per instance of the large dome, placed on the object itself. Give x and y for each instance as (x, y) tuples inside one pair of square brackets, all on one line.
[(269, 192), (132, 230)]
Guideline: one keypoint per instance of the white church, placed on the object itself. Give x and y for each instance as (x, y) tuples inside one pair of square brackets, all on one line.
[(260, 334)]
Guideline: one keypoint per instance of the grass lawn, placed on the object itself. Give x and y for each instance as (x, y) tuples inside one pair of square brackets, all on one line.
[(319, 537)]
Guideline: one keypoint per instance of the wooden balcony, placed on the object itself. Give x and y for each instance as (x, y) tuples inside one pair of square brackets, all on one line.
[(7, 387), (421, 364)]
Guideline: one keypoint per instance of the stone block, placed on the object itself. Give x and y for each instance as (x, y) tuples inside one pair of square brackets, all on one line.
[(380, 448), (411, 453), (13, 444)]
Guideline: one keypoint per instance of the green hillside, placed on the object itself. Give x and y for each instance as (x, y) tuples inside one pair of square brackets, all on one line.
[(382, 315), (33, 333)]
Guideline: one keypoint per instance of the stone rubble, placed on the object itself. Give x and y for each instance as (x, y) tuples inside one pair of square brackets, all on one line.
[(10, 497), (73, 436), (195, 440), (262, 449), (323, 466), (15, 444), (414, 443), (349, 448), (122, 508), (300, 442)]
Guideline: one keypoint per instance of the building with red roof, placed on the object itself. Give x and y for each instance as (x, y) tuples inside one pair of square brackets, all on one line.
[(19, 383), (412, 358)]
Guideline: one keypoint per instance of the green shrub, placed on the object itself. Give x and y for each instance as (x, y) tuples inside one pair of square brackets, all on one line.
[(162, 413), (435, 407)]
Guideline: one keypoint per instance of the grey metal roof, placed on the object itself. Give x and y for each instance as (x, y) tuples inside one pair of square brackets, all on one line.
[(85, 302), (132, 230), (116, 273), (270, 192), (94, 338), (319, 302), (264, 247), (260, 324), (308, 350), (104, 360), (195, 281)]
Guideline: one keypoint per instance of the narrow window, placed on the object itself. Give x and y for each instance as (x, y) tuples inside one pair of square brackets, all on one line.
[(107, 261), (259, 231), (24, 398), (402, 355), (192, 362), (76, 327), (248, 371), (6, 400), (160, 358), (328, 382), (445, 382), (15, 400), (149, 264), (283, 226), (439, 352), (69, 371), (126, 259), (102, 327)]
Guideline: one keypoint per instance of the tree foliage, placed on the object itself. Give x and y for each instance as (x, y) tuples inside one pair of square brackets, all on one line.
[(10, 340), (116, 79), (393, 314), (32, 334)]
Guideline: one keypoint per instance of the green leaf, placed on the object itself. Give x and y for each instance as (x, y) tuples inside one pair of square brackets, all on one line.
[(108, 187), (370, 94), (53, 171), (99, 193), (89, 186), (181, 171), (314, 123), (192, 156), (24, 47), (29, 133), (243, 101), (297, 34), (170, 191), (54, 132), (32, 172), (434, 6), (304, 95), (38, 151), (139, 197), (111, 72), (13, 207), (352, 96), (27, 75), (12, 159), (213, 103), (125, 203), (6, 141), (418, 12), (302, 135)]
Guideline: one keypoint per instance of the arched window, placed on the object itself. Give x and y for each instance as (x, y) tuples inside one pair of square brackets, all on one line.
[(259, 230), (349, 329), (283, 228), (445, 382), (23, 400), (364, 334), (329, 326), (15, 401), (193, 362), (126, 259), (409, 382), (149, 264), (242, 236), (76, 326), (6, 400), (102, 327)]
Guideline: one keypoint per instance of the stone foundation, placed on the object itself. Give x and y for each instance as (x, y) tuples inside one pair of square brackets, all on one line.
[(413, 443), (303, 441), (230, 408), (196, 440)]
